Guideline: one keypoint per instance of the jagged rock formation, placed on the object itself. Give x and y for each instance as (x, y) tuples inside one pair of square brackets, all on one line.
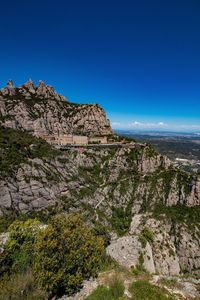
[(125, 189), (41, 111), (33, 188), (173, 248), (28, 90), (120, 188), (138, 177)]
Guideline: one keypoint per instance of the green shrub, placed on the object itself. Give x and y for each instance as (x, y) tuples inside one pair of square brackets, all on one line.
[(148, 234), (120, 220), (18, 250), (17, 146), (100, 293), (5, 222), (144, 290), (171, 252), (140, 265), (142, 240), (135, 271), (66, 253), (102, 231), (114, 292), (22, 232), (145, 236), (116, 288)]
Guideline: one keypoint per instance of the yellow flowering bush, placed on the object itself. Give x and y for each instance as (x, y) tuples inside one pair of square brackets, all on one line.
[(66, 253)]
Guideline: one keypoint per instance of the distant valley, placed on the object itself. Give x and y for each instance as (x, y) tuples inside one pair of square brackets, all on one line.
[(182, 148)]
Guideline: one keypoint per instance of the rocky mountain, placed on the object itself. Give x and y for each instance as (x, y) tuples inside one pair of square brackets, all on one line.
[(41, 111), (151, 208)]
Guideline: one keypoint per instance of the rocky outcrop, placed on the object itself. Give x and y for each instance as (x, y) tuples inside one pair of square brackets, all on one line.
[(99, 183), (127, 250), (116, 180), (41, 111), (168, 253), (121, 187), (28, 90)]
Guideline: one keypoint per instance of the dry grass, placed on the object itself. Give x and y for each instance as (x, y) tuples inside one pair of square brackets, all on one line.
[(21, 287), (171, 283)]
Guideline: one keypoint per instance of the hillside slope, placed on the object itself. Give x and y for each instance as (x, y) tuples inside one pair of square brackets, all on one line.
[(125, 189), (151, 209)]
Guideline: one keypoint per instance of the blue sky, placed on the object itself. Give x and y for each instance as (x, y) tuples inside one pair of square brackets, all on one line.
[(140, 60)]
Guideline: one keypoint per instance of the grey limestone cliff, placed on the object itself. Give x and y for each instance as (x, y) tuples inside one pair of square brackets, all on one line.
[(127, 188), (121, 188), (41, 111)]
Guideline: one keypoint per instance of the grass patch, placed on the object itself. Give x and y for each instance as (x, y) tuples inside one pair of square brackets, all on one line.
[(100, 293), (20, 286), (113, 292), (143, 290), (171, 283)]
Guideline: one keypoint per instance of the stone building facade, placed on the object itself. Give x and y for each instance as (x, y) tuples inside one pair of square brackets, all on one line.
[(69, 139)]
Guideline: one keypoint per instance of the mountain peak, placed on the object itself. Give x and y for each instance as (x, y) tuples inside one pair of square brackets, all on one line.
[(28, 89), (41, 111), (10, 83)]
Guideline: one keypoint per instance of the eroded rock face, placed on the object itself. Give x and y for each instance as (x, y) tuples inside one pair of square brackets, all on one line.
[(9, 90), (63, 182), (116, 181), (99, 182), (174, 249), (127, 250), (187, 246), (41, 111), (169, 253)]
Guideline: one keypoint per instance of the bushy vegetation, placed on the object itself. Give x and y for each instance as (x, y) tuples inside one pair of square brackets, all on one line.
[(42, 216), (115, 291), (54, 258), (17, 254), (102, 231), (164, 179), (140, 290), (66, 252), (146, 236), (143, 289), (178, 214), (120, 221), (140, 266), (5, 222), (16, 147)]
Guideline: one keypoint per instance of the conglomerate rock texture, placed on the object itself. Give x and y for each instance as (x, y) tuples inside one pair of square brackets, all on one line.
[(120, 188), (100, 178), (173, 248), (41, 111), (130, 189)]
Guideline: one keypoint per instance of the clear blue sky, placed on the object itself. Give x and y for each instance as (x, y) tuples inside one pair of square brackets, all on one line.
[(139, 59)]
